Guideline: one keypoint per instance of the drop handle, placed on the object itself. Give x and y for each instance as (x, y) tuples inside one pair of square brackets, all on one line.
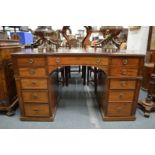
[(34, 97), (123, 83), (98, 60), (34, 83), (124, 72), (121, 95), (119, 109), (32, 71), (30, 61), (57, 60), (36, 110), (125, 61)]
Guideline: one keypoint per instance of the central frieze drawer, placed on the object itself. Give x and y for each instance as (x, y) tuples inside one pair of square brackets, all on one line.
[(122, 84), (35, 96), (125, 61), (123, 71), (34, 83), (77, 61), (36, 109), (32, 72), (31, 61), (118, 96), (119, 109)]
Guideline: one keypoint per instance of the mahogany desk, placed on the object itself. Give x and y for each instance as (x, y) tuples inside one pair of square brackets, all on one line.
[(118, 85)]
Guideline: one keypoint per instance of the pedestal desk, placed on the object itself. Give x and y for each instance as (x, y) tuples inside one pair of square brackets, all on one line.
[(119, 80)]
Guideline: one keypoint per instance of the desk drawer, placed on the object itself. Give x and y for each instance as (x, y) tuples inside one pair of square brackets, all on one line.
[(119, 109), (121, 95), (122, 84), (35, 96), (32, 72), (31, 61), (125, 61), (34, 83), (123, 71), (36, 109), (77, 61)]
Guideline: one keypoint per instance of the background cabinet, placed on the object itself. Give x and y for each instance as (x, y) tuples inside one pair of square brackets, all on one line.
[(8, 97)]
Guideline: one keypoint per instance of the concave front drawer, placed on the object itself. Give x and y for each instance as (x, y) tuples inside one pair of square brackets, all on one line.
[(77, 61)]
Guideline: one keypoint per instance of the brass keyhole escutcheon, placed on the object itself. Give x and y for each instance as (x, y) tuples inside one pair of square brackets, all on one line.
[(125, 61)]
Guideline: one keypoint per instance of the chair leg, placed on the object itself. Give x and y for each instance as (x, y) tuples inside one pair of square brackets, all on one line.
[(63, 76), (66, 75), (88, 75), (95, 79), (84, 74)]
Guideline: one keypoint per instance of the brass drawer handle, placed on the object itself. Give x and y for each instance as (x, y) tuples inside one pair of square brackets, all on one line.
[(30, 61), (123, 83), (34, 97), (34, 83), (121, 95), (98, 60), (36, 110), (57, 60), (125, 61), (119, 109), (124, 72), (32, 71)]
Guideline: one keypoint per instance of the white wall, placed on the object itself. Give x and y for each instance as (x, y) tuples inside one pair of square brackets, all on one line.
[(137, 39)]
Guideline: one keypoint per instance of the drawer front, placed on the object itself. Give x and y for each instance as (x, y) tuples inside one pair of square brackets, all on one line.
[(122, 84), (118, 96), (34, 83), (77, 61), (35, 96), (32, 72), (31, 61), (119, 109), (125, 61), (123, 71), (36, 109)]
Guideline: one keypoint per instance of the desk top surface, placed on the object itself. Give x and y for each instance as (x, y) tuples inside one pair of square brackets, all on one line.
[(79, 52)]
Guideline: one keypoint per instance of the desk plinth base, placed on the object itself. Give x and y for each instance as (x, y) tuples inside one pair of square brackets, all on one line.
[(47, 119)]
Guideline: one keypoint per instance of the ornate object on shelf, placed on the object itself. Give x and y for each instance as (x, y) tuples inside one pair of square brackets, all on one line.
[(8, 97), (46, 39), (109, 43)]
